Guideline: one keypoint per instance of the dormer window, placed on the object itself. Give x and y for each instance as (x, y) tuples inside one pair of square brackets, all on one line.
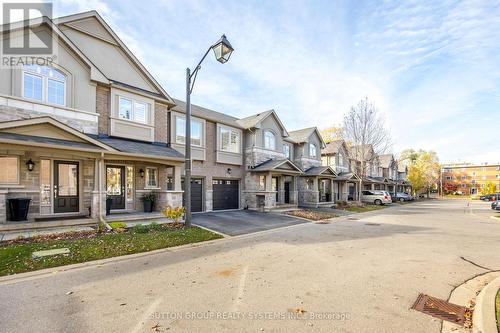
[(312, 150), (44, 84), (269, 140)]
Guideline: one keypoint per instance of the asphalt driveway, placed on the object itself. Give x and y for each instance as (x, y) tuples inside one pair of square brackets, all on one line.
[(242, 222)]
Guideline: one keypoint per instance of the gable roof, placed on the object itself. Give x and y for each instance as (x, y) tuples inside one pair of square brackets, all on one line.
[(70, 22), (82, 138), (386, 160), (201, 112), (271, 165), (255, 120), (302, 135), (95, 73), (333, 147), (347, 176), (320, 171)]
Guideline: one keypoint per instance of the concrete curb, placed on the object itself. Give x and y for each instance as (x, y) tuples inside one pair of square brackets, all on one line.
[(484, 317)]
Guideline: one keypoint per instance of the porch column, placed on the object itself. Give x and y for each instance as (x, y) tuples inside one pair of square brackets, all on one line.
[(177, 178), (372, 187), (332, 191), (294, 195), (270, 195), (358, 195), (174, 197), (281, 189), (99, 191)]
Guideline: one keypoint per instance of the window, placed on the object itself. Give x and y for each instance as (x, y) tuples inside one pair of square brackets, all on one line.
[(483, 177), (286, 151), (474, 173), (151, 177), (196, 131), (133, 110), (262, 183), (229, 140), (269, 140), (44, 84), (10, 170), (312, 150), (341, 159), (464, 177)]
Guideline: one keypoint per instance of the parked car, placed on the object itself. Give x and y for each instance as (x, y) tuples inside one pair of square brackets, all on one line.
[(494, 204), (376, 197), (497, 206), (490, 197), (403, 196)]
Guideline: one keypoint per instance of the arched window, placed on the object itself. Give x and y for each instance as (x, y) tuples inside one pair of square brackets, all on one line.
[(312, 150), (269, 140), (45, 84)]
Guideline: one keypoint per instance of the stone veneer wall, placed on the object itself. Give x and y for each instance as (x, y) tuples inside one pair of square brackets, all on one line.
[(9, 113)]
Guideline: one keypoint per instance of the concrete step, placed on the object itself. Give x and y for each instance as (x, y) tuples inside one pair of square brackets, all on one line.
[(17, 226)]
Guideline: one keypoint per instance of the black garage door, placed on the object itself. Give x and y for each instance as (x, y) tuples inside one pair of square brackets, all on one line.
[(225, 194), (196, 195)]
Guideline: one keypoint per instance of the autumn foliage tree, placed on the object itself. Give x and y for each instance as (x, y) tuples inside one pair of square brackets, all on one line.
[(332, 133), (423, 170), (489, 188)]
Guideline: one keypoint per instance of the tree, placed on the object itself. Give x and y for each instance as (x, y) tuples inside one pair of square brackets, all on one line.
[(366, 134), (332, 133), (424, 172), (489, 188)]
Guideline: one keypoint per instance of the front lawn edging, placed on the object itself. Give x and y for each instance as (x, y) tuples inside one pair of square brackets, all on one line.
[(484, 316)]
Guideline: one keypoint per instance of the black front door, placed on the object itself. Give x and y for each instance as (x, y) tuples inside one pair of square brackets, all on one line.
[(66, 187), (115, 186), (287, 192)]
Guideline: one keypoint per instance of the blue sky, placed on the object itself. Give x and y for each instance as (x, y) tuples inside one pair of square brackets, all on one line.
[(431, 67)]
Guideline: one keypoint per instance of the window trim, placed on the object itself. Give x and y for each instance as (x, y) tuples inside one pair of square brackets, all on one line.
[(287, 151), (146, 176), (18, 181), (133, 101), (193, 120), (274, 137), (231, 130), (313, 145), (45, 86)]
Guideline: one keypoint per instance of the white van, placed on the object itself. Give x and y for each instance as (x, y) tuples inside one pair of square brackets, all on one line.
[(376, 197)]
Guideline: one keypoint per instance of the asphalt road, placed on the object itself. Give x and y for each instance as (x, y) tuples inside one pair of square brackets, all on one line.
[(358, 275)]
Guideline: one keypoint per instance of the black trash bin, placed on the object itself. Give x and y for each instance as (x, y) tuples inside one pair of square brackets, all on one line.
[(19, 208)]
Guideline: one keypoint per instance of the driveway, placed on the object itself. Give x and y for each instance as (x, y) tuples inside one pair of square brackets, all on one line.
[(242, 222), (346, 276)]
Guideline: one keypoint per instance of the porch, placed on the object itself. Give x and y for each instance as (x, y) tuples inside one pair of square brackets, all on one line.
[(317, 187), (347, 187)]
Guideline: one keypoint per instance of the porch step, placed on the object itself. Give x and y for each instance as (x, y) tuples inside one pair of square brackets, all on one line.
[(18, 226), (284, 208), (327, 204)]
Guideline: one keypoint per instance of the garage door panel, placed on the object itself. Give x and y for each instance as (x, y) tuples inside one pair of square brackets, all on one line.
[(225, 194)]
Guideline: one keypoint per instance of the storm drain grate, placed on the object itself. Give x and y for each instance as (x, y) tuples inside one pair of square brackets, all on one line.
[(441, 309)]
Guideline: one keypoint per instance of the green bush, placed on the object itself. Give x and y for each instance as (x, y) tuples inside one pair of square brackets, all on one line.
[(117, 225), (155, 226), (140, 229)]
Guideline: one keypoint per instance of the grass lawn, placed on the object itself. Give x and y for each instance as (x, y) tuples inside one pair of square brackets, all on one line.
[(498, 310), (311, 214), (367, 208), (15, 256)]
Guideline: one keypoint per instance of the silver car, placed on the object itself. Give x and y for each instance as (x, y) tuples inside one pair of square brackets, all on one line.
[(403, 196), (376, 197)]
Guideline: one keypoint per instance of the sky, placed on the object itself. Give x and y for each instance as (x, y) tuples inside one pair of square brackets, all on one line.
[(432, 68)]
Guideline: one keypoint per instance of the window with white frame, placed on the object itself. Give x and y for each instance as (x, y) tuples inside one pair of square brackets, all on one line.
[(286, 150), (151, 177), (269, 140), (262, 183), (341, 159), (196, 131), (133, 110), (10, 170), (229, 140), (44, 84), (312, 150)]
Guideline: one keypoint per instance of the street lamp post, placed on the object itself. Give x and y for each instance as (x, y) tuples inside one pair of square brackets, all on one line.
[(222, 52)]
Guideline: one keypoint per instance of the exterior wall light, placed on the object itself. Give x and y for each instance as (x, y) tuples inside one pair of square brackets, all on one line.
[(30, 164)]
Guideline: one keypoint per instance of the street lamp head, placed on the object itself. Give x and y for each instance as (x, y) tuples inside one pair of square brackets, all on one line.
[(222, 49)]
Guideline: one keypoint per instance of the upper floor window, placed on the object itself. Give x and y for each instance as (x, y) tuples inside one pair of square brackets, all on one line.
[(269, 140), (312, 150), (196, 131), (133, 110), (44, 84), (286, 150), (229, 140), (341, 159)]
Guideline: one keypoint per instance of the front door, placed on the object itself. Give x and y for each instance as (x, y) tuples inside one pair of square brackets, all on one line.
[(66, 187), (115, 186), (287, 192)]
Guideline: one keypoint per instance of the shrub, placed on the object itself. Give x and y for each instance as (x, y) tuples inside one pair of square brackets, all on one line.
[(117, 225), (155, 226), (149, 197), (174, 214), (140, 229)]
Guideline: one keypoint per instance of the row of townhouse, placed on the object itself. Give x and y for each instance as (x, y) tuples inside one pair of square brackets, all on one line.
[(94, 125), (380, 172)]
